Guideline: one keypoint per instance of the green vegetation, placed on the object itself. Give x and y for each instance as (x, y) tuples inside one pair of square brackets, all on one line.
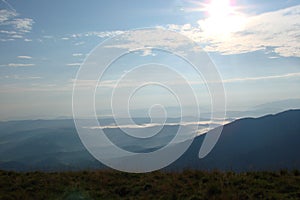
[(156, 185)]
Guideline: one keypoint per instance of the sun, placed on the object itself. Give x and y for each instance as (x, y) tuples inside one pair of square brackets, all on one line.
[(219, 8), (222, 18)]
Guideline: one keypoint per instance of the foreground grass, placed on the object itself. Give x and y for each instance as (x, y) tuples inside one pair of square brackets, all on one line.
[(155, 185)]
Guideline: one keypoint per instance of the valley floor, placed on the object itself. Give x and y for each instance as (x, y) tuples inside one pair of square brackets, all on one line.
[(156, 185)]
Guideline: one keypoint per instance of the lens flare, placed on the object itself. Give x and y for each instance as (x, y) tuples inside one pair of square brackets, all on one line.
[(223, 19)]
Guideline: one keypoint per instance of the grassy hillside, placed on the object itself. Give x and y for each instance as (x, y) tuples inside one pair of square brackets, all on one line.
[(156, 185)]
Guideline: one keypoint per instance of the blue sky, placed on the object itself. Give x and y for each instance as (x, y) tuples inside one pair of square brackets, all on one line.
[(256, 47)]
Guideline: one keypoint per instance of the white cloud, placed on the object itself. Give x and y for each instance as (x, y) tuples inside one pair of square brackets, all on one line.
[(16, 36), (13, 26), (6, 40), (148, 52), (25, 57), (278, 30), (5, 15), (290, 75), (8, 32), (77, 54), (20, 65), (17, 77), (79, 43), (74, 64), (100, 34), (23, 24), (78, 38), (145, 39)]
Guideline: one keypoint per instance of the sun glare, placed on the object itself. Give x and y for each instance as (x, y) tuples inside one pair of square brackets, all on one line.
[(222, 18), (219, 8)]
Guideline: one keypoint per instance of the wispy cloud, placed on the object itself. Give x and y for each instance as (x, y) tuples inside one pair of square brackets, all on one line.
[(79, 43), (20, 65), (6, 15), (18, 77), (77, 54), (8, 32), (100, 34), (16, 36), (261, 78), (38, 87), (25, 57), (22, 24), (13, 26), (134, 83), (79, 38), (74, 64)]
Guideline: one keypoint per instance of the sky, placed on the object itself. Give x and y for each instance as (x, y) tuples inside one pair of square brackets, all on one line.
[(255, 46)]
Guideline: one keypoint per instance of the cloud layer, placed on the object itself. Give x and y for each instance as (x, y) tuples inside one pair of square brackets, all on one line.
[(278, 30)]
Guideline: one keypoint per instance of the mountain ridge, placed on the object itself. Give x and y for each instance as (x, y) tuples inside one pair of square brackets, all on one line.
[(237, 149)]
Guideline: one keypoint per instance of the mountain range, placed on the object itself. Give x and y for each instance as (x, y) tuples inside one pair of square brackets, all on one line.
[(270, 142)]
